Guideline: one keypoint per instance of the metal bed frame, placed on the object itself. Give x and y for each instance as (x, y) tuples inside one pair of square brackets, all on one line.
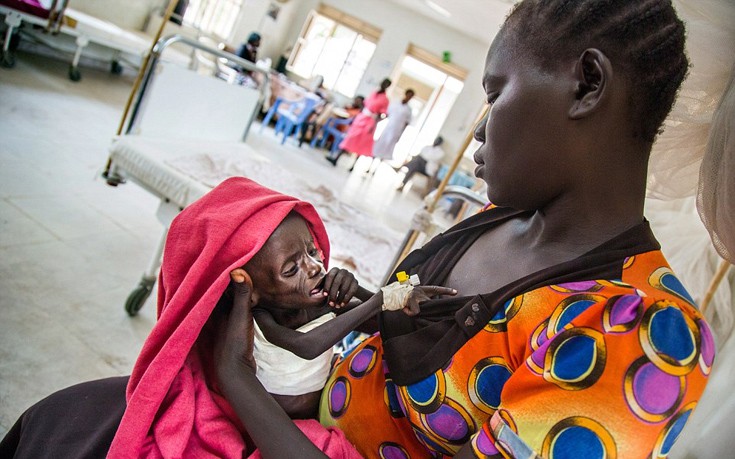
[(167, 209), (15, 18)]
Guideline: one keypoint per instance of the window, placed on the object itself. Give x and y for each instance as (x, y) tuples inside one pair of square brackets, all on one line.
[(215, 17), (336, 46)]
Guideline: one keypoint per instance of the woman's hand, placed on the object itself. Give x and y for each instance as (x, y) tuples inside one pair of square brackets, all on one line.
[(340, 286), (233, 342), (260, 415), (421, 294)]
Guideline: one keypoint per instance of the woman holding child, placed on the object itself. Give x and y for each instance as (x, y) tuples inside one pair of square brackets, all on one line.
[(569, 335)]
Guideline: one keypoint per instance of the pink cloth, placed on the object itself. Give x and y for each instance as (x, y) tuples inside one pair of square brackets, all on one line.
[(170, 410), (330, 440), (359, 138)]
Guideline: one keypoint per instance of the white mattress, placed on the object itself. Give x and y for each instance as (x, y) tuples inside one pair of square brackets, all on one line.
[(183, 171), (144, 162)]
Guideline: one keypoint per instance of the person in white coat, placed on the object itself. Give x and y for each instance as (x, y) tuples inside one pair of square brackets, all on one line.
[(399, 116)]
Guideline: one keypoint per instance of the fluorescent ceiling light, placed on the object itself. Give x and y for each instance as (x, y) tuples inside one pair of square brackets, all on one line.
[(438, 8)]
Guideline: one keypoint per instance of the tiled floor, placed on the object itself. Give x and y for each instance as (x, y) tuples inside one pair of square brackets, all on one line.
[(71, 247)]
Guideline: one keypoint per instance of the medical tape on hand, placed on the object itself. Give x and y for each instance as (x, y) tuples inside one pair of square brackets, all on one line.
[(395, 296)]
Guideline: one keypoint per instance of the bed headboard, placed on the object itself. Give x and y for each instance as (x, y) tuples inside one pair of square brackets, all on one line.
[(176, 102)]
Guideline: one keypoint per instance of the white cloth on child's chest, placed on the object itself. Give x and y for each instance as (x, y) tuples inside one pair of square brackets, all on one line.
[(284, 373)]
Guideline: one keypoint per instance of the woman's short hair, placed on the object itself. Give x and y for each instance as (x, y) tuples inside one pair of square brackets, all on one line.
[(643, 38)]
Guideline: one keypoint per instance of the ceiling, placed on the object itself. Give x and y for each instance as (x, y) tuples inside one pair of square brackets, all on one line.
[(480, 19)]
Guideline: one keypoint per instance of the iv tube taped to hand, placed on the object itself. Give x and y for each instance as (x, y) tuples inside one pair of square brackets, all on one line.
[(395, 295)]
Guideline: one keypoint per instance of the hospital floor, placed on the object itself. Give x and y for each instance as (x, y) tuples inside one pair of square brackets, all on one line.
[(72, 248)]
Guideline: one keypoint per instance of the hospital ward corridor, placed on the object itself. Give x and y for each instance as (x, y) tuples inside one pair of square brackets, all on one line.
[(385, 229), (72, 247)]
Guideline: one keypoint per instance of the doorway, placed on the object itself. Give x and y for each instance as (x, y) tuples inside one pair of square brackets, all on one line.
[(437, 85)]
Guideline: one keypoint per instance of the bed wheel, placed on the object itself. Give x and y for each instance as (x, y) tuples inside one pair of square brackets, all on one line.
[(8, 60), (116, 68), (74, 74), (137, 297), (113, 179)]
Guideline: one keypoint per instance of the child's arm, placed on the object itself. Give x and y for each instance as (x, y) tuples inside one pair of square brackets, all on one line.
[(313, 343)]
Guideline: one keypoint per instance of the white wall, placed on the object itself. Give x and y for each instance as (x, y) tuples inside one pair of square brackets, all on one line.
[(129, 14)]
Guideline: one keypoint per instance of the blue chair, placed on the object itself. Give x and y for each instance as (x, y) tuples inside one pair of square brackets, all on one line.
[(331, 128), (271, 112), (291, 119)]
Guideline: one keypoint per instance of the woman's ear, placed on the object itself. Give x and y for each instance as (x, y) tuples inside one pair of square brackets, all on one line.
[(239, 275), (593, 72)]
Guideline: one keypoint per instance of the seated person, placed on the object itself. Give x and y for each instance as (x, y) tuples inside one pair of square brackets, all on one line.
[(317, 120), (241, 249), (426, 163), (358, 103), (249, 49)]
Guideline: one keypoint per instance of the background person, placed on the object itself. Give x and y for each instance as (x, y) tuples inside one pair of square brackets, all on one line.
[(426, 163), (360, 135), (249, 49), (399, 117)]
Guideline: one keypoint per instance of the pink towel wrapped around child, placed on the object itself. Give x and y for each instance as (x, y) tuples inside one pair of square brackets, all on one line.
[(172, 411)]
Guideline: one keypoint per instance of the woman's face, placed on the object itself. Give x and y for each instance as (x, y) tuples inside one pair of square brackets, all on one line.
[(288, 271), (524, 136)]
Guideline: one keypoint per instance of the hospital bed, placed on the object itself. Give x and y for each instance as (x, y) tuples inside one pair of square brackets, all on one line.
[(73, 32), (186, 133), (179, 112), (45, 15)]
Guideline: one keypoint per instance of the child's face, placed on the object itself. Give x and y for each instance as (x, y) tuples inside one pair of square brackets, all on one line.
[(288, 271)]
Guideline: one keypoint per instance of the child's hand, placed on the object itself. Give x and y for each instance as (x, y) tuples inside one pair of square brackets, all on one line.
[(421, 294), (408, 298), (340, 286)]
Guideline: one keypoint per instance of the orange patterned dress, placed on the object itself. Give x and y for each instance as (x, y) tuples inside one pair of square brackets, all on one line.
[(603, 357)]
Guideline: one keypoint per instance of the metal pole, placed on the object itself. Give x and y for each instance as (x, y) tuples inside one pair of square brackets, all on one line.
[(166, 15), (716, 279)]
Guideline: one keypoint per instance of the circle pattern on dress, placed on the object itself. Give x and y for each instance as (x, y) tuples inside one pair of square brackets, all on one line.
[(363, 361), (707, 351), (390, 450), (575, 359), (580, 286), (669, 338), (486, 382), (539, 335), (392, 400), (483, 446), (428, 394), (664, 279), (671, 432), (576, 437), (338, 396), (652, 394), (432, 443), (568, 310), (450, 423), (622, 313), (499, 322)]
